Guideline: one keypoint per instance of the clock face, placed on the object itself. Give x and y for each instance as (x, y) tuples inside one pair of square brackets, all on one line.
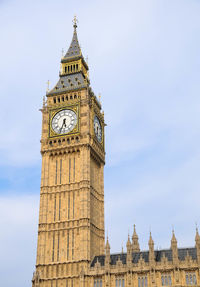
[(64, 121), (97, 129)]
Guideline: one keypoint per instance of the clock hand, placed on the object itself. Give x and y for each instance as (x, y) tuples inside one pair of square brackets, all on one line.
[(61, 127), (63, 124)]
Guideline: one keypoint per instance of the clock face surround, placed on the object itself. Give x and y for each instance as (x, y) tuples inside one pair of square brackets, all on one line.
[(64, 121), (97, 129)]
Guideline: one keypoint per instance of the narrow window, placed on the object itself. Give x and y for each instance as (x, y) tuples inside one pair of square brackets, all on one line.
[(116, 283), (71, 68), (94, 283), (142, 281), (68, 205), (74, 68), (60, 171), (69, 169), (169, 280), (194, 280), (54, 100), (59, 205), (100, 283), (77, 67), (68, 69), (187, 280), (55, 208), (72, 244), (122, 282), (72, 283), (166, 281), (67, 244), (65, 69), (191, 281), (74, 169), (56, 172), (145, 281), (73, 203), (58, 246), (53, 247), (139, 282)]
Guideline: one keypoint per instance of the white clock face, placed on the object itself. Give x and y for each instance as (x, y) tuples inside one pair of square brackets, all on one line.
[(97, 129), (64, 121)]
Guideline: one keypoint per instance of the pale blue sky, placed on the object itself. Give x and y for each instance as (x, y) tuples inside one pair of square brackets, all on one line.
[(144, 60)]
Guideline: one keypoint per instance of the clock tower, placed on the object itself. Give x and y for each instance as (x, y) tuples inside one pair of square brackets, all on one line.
[(71, 215)]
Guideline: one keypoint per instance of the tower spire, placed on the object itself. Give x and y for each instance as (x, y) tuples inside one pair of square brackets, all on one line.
[(74, 48)]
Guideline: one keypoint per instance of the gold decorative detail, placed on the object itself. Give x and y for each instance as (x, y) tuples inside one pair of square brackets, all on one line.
[(74, 108), (75, 21)]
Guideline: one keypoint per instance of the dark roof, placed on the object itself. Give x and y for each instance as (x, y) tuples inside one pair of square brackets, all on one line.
[(74, 49), (69, 82), (182, 253)]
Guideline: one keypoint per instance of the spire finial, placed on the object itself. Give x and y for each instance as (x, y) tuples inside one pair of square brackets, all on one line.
[(75, 21), (48, 83)]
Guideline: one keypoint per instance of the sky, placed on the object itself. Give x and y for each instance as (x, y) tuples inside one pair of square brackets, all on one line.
[(144, 61)]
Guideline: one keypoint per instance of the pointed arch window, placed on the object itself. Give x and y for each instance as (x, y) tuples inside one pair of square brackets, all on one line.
[(190, 278)]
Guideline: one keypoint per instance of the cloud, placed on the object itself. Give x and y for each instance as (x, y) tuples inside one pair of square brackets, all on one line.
[(18, 221), (144, 60)]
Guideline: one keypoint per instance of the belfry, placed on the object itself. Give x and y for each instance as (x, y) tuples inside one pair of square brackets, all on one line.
[(71, 249)]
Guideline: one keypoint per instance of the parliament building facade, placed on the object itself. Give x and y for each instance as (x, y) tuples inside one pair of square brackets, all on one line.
[(71, 248)]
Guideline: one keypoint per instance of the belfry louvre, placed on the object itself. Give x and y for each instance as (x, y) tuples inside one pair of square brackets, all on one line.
[(71, 248)]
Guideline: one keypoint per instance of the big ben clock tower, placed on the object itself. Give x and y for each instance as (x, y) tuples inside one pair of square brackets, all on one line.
[(71, 216)]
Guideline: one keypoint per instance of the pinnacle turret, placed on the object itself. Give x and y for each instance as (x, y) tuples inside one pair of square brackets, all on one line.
[(197, 237), (151, 251), (107, 253), (135, 242), (129, 252), (174, 249), (151, 242), (173, 240)]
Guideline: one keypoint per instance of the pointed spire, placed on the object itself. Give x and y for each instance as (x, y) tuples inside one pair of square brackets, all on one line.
[(151, 251), (173, 240), (197, 240), (129, 252), (197, 237), (107, 254), (174, 248), (74, 49), (151, 242), (135, 242), (107, 247), (128, 244)]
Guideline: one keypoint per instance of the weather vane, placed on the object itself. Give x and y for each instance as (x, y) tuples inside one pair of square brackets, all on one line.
[(75, 21)]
